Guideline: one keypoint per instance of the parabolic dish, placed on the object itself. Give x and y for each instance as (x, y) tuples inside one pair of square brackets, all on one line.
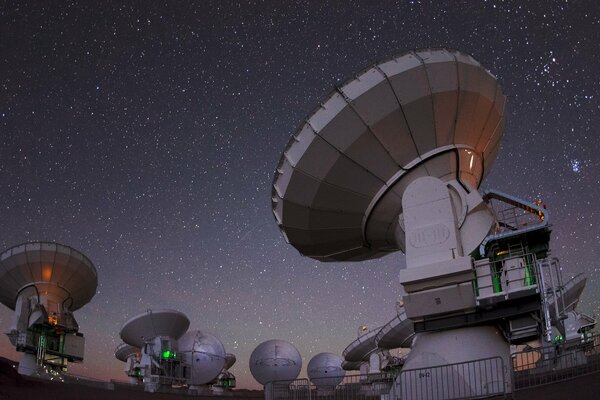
[(275, 360), (351, 365), (230, 359), (54, 268), (153, 323), (337, 191), (124, 351), (205, 353)]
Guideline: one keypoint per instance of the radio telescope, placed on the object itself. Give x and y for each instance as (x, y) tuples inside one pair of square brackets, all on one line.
[(157, 333), (391, 161), (226, 379), (130, 355), (230, 359), (44, 283)]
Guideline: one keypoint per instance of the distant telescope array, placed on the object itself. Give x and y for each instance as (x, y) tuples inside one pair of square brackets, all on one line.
[(161, 355), (44, 283)]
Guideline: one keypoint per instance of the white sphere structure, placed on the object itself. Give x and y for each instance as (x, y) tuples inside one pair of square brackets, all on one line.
[(204, 353), (325, 370), (275, 360)]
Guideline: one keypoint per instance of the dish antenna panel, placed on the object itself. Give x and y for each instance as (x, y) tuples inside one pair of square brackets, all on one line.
[(44, 283)]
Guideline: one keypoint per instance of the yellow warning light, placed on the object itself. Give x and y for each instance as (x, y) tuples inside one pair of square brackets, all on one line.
[(53, 319)]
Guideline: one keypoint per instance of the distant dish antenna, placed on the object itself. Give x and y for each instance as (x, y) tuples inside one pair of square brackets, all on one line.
[(131, 356), (156, 333), (275, 360), (204, 353), (338, 188), (44, 283), (124, 351), (325, 371), (154, 323), (230, 359), (226, 380)]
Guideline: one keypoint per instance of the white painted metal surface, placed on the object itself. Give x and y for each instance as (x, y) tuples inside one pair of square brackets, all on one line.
[(204, 353), (154, 323), (325, 370), (275, 360)]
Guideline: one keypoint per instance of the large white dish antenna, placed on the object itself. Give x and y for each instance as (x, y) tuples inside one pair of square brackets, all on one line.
[(325, 370), (205, 353), (275, 360), (337, 191), (154, 323), (59, 271)]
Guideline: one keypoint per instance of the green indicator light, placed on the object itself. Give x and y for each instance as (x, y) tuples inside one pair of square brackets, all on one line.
[(559, 339), (168, 354)]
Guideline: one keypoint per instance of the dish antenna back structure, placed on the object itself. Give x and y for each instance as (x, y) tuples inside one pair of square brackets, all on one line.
[(157, 333), (391, 161), (44, 283)]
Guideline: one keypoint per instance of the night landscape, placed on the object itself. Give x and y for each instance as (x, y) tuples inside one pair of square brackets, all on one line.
[(149, 136)]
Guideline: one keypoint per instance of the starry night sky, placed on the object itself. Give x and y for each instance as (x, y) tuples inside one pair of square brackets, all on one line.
[(146, 135)]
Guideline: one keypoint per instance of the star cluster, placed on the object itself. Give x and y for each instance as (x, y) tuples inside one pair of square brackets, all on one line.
[(146, 136)]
